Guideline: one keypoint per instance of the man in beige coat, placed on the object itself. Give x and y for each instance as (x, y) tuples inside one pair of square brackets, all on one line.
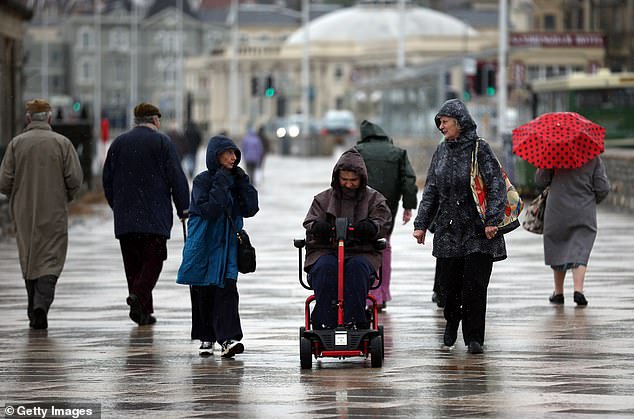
[(40, 173)]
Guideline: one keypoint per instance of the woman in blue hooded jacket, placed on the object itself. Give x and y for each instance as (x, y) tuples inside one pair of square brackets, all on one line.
[(209, 263)]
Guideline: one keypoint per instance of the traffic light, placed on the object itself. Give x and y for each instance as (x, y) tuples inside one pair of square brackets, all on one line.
[(269, 87), (76, 106), (485, 79), (490, 90)]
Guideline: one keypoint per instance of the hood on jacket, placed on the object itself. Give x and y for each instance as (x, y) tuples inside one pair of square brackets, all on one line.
[(455, 108), (217, 144), (370, 130), (352, 161)]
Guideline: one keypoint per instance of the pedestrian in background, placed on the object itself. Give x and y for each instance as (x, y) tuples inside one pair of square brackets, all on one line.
[(221, 196), (266, 144), (464, 246), (177, 137), (40, 173), (253, 152), (389, 172), (142, 175), (570, 222), (194, 138)]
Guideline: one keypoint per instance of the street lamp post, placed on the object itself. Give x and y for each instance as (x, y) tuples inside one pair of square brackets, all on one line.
[(305, 75)]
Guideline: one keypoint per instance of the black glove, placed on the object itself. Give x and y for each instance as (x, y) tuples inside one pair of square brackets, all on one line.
[(321, 231), (365, 230), (238, 172)]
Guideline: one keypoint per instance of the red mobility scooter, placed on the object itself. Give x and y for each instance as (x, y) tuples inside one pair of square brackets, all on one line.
[(340, 342)]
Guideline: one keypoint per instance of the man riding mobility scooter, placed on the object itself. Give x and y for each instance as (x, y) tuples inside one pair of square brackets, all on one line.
[(344, 340)]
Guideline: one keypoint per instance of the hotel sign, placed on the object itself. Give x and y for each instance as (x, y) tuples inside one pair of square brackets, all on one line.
[(557, 40)]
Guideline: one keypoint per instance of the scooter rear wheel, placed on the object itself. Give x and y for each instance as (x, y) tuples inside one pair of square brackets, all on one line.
[(305, 351), (376, 352)]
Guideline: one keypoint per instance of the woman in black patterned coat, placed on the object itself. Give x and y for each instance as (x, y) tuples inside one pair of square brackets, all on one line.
[(465, 247)]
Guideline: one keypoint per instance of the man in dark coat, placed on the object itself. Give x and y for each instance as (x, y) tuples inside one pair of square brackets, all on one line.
[(141, 176), (389, 172), (367, 211)]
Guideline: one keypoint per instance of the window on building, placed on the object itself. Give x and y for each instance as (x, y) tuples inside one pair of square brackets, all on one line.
[(85, 37), (85, 70), (170, 74), (550, 23), (169, 40), (120, 71), (119, 39), (338, 72)]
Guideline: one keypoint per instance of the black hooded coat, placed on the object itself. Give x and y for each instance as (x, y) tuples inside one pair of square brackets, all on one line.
[(447, 194)]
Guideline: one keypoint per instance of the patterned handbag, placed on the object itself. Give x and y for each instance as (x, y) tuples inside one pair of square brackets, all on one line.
[(514, 203), (534, 217)]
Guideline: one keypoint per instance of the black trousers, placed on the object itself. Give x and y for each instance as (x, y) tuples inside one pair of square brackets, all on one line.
[(40, 293), (215, 316), (143, 256), (465, 281)]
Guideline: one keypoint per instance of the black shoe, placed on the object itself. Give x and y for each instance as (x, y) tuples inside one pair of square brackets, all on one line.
[(474, 347), (556, 298), (39, 319), (580, 299), (451, 333), (147, 319), (136, 310)]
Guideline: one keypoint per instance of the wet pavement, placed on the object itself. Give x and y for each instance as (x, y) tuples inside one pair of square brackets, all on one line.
[(539, 361)]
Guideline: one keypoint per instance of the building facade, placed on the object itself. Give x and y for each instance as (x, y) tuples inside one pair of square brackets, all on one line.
[(14, 17), (101, 64)]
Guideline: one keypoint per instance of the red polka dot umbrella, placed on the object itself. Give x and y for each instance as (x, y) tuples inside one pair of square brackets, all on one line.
[(558, 140)]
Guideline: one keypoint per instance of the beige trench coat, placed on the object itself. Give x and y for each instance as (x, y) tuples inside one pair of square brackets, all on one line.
[(40, 173)]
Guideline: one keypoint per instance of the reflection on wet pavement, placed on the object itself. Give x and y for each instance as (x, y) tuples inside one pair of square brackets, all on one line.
[(539, 360)]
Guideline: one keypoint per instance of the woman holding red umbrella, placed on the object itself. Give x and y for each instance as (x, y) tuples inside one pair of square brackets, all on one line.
[(570, 222), (565, 148)]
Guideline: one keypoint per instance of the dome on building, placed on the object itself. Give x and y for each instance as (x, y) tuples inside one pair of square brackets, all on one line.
[(370, 22)]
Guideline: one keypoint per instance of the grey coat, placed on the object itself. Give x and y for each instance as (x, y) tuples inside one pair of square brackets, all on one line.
[(447, 194), (40, 173), (570, 219)]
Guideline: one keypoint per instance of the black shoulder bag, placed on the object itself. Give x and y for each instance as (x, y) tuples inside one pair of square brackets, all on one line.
[(246, 251)]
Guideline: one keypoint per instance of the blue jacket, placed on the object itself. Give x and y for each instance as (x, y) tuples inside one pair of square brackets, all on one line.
[(210, 252), (142, 174)]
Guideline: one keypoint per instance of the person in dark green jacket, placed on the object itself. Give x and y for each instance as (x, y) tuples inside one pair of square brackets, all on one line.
[(390, 173)]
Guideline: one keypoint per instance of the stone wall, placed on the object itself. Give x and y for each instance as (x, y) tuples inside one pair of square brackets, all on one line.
[(620, 166)]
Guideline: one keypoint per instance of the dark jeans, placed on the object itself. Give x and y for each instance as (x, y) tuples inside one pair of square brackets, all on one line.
[(215, 316), (40, 293), (323, 279), (465, 281), (143, 256)]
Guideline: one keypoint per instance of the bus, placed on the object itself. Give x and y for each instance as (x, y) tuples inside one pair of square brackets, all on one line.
[(605, 98)]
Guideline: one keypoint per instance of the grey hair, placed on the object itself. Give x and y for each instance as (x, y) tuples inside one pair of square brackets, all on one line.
[(457, 123), (39, 116), (138, 120)]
